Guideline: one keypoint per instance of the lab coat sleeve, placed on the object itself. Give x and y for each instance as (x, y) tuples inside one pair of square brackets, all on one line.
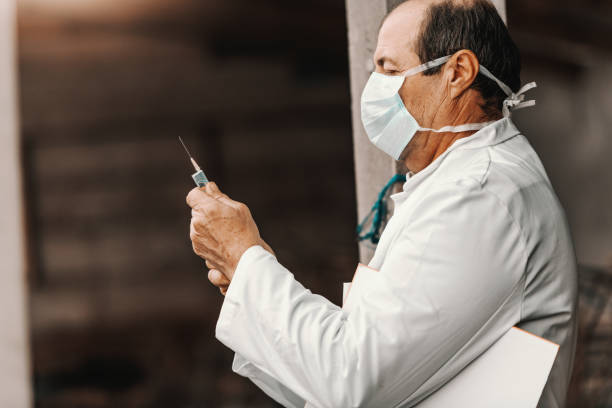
[(273, 388), (453, 266)]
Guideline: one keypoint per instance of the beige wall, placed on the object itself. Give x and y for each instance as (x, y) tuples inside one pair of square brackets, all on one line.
[(14, 365)]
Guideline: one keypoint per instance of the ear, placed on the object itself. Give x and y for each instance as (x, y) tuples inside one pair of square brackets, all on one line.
[(463, 67)]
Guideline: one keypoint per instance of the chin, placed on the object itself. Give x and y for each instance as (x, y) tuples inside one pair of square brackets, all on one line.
[(407, 159), (413, 164)]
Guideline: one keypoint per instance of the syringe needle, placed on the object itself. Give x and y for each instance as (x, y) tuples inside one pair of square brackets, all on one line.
[(195, 165), (185, 147), (199, 177)]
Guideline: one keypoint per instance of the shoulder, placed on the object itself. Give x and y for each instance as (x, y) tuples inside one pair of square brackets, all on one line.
[(462, 195), (464, 167), (510, 171), (492, 184), (461, 223), (459, 183)]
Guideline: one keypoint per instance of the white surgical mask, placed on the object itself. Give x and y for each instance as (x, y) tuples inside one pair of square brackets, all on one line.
[(390, 126)]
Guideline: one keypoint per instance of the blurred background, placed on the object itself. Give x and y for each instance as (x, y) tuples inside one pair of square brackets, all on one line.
[(121, 312)]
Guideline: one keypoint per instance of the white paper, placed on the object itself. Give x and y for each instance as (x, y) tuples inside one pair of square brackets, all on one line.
[(510, 374)]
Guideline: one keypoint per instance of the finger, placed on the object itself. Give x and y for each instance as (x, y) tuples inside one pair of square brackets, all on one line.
[(201, 245), (211, 265), (198, 197), (223, 291), (198, 229), (200, 234), (217, 278), (204, 252), (209, 207), (197, 240)]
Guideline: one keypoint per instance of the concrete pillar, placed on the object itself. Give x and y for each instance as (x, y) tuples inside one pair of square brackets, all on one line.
[(501, 8), (372, 167), (14, 344)]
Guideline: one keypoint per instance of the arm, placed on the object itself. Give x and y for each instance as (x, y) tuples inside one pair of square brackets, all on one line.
[(452, 269)]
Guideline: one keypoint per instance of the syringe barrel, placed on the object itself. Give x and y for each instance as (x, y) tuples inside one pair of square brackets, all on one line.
[(200, 178)]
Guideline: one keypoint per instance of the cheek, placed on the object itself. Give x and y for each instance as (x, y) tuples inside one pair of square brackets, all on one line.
[(418, 94)]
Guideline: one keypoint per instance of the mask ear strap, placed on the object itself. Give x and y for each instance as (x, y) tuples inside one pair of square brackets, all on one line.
[(426, 66), (499, 83)]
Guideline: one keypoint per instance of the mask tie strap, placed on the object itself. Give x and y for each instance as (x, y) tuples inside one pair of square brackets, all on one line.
[(378, 213), (459, 128), (514, 100)]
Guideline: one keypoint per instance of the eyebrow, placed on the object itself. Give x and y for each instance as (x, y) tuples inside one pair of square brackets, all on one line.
[(381, 61)]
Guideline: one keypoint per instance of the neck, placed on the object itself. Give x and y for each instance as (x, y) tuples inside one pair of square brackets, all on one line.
[(427, 146)]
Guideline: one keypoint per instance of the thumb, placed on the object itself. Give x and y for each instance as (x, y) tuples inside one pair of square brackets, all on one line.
[(213, 191), (217, 278), (212, 188)]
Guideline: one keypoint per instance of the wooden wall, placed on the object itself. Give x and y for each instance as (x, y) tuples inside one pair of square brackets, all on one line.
[(122, 313)]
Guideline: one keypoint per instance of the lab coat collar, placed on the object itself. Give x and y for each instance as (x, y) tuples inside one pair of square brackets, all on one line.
[(497, 132)]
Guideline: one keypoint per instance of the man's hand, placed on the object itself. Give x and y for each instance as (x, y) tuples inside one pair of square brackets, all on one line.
[(219, 280), (221, 230)]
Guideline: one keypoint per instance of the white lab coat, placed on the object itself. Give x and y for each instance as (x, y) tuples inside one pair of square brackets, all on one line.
[(478, 243)]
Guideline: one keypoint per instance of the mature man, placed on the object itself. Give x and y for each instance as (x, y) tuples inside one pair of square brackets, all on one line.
[(478, 242)]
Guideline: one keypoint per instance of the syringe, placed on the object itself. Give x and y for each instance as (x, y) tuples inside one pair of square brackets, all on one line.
[(199, 177)]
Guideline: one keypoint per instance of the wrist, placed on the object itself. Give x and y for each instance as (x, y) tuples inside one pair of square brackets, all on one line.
[(241, 252), (265, 246)]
